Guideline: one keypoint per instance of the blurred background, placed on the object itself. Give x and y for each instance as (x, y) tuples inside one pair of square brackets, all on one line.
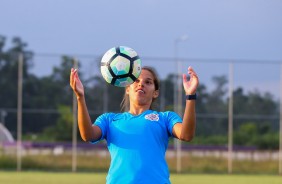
[(234, 46)]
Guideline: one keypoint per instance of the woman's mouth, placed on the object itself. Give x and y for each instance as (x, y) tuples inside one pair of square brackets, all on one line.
[(140, 91)]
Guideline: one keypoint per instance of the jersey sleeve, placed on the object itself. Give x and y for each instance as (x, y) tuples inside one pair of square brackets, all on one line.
[(103, 123), (172, 119)]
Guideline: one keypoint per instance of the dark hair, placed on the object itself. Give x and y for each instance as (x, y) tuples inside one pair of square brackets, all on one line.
[(125, 101)]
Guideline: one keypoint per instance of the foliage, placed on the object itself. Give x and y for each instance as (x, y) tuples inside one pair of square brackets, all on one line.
[(95, 163), (210, 140), (62, 130), (248, 134)]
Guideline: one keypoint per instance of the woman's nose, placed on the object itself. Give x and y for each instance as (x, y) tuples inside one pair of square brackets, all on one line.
[(141, 83)]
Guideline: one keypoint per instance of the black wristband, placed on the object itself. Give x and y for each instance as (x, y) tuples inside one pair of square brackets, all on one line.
[(191, 97)]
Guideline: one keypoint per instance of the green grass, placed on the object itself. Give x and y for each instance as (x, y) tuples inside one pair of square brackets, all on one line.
[(99, 178)]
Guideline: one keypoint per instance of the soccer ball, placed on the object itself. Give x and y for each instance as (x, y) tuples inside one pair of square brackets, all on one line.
[(120, 66)]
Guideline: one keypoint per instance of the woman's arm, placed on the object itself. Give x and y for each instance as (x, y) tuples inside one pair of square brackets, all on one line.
[(186, 130), (88, 132)]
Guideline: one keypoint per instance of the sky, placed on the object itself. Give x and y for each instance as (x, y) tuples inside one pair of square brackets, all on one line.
[(248, 31)]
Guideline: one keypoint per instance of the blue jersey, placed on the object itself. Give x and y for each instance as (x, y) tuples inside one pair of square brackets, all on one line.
[(137, 145)]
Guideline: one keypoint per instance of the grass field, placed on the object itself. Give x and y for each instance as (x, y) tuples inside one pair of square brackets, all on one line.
[(99, 178)]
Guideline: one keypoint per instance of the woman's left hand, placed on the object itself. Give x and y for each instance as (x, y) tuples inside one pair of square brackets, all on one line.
[(190, 86)]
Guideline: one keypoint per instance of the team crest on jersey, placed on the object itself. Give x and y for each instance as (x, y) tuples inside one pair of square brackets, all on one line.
[(152, 117)]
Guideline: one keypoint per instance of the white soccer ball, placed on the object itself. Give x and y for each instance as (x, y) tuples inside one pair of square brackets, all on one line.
[(120, 66)]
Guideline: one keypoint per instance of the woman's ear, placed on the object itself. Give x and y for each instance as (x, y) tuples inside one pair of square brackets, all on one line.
[(127, 90), (156, 94)]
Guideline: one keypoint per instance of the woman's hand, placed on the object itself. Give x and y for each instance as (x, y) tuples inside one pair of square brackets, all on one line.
[(190, 86), (76, 84)]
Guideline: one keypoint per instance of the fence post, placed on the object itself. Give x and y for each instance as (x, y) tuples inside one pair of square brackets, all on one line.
[(230, 119), (179, 111), (19, 112), (178, 99), (280, 132)]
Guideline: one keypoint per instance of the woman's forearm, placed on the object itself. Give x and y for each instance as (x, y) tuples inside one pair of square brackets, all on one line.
[(189, 121), (84, 120)]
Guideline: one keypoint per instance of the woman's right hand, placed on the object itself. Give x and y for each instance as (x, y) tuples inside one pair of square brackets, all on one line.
[(76, 84)]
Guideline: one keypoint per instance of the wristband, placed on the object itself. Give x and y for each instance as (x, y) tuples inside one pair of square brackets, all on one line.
[(191, 97)]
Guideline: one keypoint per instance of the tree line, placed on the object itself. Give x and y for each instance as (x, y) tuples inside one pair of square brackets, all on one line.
[(255, 113)]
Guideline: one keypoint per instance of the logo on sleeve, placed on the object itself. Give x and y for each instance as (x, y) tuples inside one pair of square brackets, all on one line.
[(152, 117)]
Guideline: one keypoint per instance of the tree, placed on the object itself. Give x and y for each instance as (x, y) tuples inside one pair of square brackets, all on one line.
[(213, 106), (216, 101), (9, 75), (62, 130), (9, 70)]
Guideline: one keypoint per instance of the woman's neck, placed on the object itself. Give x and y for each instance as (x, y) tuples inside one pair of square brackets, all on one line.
[(138, 110)]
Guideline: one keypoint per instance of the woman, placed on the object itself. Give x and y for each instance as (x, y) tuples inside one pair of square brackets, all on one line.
[(138, 138)]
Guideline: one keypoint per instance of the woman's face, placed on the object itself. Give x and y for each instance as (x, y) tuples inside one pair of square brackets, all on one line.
[(142, 91)]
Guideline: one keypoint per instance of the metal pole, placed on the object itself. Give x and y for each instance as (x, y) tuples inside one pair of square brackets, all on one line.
[(179, 111), (175, 88), (230, 119), (74, 129), (178, 99), (19, 113), (280, 131)]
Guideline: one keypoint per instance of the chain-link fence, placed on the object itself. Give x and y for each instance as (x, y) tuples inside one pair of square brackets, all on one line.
[(238, 114)]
